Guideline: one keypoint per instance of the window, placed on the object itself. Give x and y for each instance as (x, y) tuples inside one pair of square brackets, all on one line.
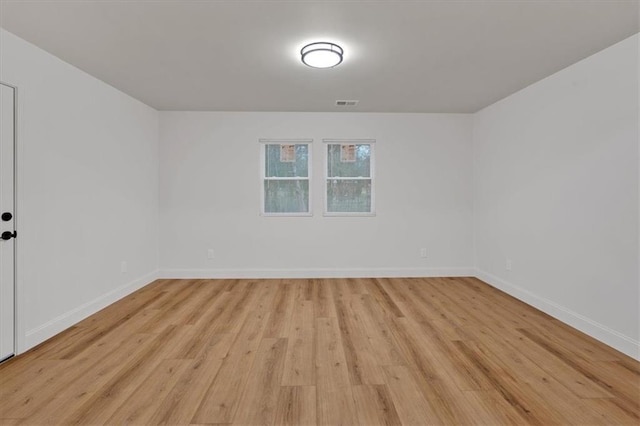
[(286, 168), (349, 178)]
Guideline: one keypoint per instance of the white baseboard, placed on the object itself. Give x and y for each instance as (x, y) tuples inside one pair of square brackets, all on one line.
[(49, 329), (317, 273), (602, 333)]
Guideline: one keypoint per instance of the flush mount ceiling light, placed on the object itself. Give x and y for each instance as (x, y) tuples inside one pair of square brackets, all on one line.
[(321, 55)]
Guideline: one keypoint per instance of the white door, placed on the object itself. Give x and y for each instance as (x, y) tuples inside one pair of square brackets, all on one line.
[(7, 222)]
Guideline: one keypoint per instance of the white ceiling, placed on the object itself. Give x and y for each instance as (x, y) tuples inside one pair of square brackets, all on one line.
[(400, 56)]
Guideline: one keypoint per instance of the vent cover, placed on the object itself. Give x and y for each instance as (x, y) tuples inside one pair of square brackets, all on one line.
[(347, 103)]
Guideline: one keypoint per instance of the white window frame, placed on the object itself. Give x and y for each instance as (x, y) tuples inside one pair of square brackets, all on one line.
[(263, 177), (372, 165)]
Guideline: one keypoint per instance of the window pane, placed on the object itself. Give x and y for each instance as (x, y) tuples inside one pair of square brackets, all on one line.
[(349, 196), (286, 196), (276, 168), (340, 165)]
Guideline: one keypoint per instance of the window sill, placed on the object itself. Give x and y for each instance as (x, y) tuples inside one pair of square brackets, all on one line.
[(347, 214), (286, 214)]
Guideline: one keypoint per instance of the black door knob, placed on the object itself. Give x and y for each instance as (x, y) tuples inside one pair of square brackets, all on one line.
[(6, 216), (7, 235)]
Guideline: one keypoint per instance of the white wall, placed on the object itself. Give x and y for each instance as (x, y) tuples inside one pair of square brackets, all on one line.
[(556, 191), (87, 191), (210, 183)]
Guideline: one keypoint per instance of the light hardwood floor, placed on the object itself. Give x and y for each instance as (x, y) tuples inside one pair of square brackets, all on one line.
[(329, 352)]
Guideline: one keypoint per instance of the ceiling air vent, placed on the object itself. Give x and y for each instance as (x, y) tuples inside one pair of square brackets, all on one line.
[(347, 103)]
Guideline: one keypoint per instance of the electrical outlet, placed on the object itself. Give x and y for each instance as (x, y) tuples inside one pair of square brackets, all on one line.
[(423, 253), (210, 254), (507, 264), (123, 266)]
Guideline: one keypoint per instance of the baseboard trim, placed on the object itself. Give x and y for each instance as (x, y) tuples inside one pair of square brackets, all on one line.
[(317, 273), (49, 329), (600, 332)]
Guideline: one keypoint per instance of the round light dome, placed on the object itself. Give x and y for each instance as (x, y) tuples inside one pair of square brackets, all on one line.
[(321, 55)]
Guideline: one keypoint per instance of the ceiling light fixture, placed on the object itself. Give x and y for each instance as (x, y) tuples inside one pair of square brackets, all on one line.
[(321, 55)]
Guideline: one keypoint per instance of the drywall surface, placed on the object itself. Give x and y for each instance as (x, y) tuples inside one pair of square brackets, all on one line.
[(210, 197), (87, 165), (556, 195)]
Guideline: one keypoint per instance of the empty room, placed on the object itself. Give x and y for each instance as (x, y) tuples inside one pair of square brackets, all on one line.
[(249, 212)]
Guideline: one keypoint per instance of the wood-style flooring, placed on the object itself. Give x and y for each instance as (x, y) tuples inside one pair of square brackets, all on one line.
[(327, 352)]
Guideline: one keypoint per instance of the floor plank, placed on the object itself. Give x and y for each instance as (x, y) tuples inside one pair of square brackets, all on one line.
[(411, 406), (180, 405), (221, 400), (362, 366), (335, 405), (374, 406), (280, 318), (262, 389), (156, 386), (296, 406), (299, 365)]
